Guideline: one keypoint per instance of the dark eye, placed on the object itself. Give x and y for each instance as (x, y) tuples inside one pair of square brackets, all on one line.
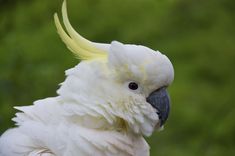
[(133, 85)]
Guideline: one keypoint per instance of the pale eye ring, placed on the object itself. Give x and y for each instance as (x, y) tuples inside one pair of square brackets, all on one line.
[(133, 86)]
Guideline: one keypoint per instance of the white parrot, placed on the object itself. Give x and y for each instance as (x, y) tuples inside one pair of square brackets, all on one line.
[(108, 102)]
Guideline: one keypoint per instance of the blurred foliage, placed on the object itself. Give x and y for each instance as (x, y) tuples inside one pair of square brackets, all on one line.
[(197, 35)]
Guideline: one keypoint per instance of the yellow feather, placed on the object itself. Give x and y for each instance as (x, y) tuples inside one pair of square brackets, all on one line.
[(81, 47)]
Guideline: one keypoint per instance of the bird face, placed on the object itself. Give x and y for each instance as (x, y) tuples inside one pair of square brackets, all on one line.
[(143, 75)]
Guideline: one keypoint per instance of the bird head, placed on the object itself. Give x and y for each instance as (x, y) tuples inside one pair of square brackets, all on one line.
[(119, 85)]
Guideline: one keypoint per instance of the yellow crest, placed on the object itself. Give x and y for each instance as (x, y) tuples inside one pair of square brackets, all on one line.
[(81, 47)]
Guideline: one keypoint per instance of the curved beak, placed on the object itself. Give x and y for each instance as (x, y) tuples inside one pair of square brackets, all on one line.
[(160, 100)]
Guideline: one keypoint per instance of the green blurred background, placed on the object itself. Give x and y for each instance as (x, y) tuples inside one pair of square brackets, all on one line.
[(197, 35)]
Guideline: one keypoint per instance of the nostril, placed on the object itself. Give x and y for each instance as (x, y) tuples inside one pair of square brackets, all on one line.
[(159, 115)]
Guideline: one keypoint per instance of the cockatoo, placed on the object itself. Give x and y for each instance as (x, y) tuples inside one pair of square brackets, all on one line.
[(113, 98)]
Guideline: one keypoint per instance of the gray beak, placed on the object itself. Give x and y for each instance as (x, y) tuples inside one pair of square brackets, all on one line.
[(160, 100)]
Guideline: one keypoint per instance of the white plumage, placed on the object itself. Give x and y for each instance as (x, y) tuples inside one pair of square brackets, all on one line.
[(95, 113)]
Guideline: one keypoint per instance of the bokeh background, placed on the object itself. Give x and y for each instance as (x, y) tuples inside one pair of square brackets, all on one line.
[(197, 35)]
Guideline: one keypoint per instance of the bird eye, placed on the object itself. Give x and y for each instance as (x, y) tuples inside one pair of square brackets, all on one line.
[(133, 86)]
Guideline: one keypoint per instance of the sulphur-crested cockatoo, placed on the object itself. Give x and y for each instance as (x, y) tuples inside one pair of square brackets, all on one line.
[(108, 102)]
